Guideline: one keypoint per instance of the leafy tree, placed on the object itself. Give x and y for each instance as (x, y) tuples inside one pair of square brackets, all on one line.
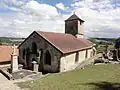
[(0, 42)]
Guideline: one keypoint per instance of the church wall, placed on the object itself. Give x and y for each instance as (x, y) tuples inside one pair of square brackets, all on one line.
[(90, 53), (28, 44), (55, 60), (82, 55), (70, 61), (67, 62), (44, 46), (80, 28)]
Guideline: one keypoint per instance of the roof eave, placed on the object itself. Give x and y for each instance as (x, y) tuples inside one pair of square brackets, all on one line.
[(26, 39), (75, 19), (77, 50)]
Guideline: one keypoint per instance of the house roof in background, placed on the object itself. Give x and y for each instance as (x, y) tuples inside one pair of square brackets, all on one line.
[(5, 53)]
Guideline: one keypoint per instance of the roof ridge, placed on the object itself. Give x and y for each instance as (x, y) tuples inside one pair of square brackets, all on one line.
[(55, 33), (74, 17)]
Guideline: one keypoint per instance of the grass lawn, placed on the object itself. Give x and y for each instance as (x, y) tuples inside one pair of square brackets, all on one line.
[(96, 77)]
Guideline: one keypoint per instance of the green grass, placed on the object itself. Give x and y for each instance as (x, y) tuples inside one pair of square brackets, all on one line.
[(99, 77)]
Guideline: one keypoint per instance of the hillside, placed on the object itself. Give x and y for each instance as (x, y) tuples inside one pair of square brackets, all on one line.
[(10, 40), (97, 77)]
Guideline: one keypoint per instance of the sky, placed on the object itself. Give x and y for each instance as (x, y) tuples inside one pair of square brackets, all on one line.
[(19, 18)]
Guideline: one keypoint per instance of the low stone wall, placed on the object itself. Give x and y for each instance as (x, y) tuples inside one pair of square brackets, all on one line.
[(88, 61), (6, 74)]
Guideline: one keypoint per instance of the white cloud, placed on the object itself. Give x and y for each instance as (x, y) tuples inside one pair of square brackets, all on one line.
[(45, 10), (102, 19), (61, 6), (15, 2), (29, 17), (14, 9), (3, 6)]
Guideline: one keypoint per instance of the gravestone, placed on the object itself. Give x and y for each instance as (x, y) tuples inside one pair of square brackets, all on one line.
[(35, 66)]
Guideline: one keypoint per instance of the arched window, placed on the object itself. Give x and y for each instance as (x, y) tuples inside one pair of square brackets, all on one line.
[(34, 48), (27, 50), (48, 58), (23, 54)]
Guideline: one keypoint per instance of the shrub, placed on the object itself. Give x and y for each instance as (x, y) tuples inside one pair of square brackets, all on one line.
[(99, 60)]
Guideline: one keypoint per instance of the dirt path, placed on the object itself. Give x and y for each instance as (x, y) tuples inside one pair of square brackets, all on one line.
[(6, 84), (3, 79)]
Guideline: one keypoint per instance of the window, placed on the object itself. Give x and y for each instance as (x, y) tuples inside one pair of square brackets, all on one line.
[(23, 54), (48, 58), (34, 48), (86, 54), (77, 57)]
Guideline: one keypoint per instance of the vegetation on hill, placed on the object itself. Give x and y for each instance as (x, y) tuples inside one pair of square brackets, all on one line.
[(10, 41), (103, 44), (96, 77)]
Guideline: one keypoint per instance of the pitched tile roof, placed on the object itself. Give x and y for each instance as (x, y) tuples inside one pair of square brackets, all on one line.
[(74, 17), (66, 43), (5, 53), (86, 41)]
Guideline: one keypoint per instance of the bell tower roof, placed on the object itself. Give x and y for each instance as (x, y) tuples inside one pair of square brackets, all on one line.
[(74, 26), (74, 17)]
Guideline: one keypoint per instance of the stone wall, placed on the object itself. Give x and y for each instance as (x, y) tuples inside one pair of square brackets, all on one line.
[(71, 27), (43, 46)]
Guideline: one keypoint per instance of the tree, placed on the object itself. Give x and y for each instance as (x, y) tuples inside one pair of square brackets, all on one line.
[(0, 42)]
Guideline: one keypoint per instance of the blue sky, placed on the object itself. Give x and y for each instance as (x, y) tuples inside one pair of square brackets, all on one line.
[(54, 2), (19, 18)]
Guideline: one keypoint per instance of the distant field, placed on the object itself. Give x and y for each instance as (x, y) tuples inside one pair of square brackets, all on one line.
[(99, 77)]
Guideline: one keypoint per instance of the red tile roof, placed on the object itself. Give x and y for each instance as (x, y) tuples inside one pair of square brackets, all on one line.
[(86, 41), (5, 53), (66, 43)]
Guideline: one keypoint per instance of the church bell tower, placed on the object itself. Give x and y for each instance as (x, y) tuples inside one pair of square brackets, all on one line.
[(74, 26)]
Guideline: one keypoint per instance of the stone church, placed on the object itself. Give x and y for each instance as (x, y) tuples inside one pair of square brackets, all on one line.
[(57, 52)]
